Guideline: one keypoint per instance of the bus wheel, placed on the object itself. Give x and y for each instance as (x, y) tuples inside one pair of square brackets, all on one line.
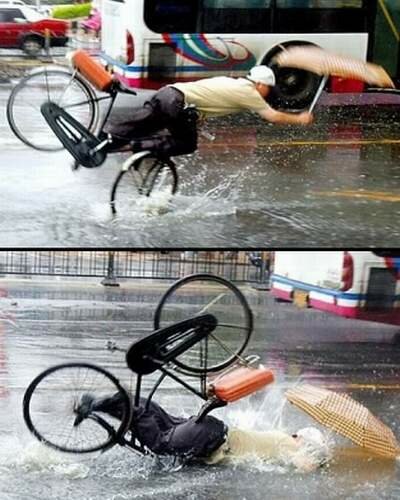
[(295, 88)]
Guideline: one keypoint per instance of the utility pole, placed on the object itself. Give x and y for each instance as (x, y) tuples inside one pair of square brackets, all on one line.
[(110, 279)]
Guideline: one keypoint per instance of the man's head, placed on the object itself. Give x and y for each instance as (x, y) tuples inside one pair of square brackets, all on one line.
[(314, 444), (263, 77)]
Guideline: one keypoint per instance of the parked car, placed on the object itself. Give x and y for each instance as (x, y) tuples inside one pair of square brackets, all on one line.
[(24, 28), (43, 9)]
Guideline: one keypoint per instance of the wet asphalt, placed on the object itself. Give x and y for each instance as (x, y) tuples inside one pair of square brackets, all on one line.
[(44, 323), (334, 183)]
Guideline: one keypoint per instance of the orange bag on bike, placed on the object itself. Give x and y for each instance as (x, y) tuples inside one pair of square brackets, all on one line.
[(241, 382), (92, 70)]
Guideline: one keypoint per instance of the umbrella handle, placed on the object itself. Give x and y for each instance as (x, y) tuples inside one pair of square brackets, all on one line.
[(318, 93)]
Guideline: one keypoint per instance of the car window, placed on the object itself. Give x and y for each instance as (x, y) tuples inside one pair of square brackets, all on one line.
[(9, 15)]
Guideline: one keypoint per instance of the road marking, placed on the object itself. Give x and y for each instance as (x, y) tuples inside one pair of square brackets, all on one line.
[(350, 142), (343, 143), (374, 387), (369, 195)]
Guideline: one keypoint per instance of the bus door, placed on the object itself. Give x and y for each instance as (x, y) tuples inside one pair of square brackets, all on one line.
[(169, 19), (164, 61), (197, 37)]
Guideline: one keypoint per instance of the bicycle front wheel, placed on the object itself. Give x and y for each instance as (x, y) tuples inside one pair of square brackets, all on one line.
[(159, 177), (205, 293), (60, 86), (150, 177), (57, 408)]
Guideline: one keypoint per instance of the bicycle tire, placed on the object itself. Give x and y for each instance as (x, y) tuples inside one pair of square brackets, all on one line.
[(179, 302), (35, 132), (42, 409), (134, 179)]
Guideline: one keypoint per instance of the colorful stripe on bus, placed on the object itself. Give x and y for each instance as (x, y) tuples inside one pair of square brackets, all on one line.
[(199, 49), (346, 304), (210, 57)]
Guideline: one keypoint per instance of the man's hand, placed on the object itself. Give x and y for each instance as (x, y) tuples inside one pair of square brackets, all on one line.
[(305, 118), (281, 117)]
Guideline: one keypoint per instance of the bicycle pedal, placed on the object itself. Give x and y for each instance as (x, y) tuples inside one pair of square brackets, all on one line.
[(101, 145), (75, 165)]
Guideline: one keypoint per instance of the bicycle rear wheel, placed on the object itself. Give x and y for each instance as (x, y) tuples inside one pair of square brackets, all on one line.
[(57, 396), (148, 176), (205, 293), (60, 86)]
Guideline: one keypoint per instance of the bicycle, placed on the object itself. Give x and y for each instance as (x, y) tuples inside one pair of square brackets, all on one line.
[(67, 102), (195, 341)]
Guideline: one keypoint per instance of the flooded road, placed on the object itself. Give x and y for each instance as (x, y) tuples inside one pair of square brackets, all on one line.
[(255, 184), (48, 323)]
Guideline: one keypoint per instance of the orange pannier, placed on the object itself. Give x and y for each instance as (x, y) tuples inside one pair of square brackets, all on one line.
[(92, 70), (241, 382)]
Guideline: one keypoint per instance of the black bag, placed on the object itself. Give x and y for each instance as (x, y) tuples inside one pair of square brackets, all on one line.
[(179, 138)]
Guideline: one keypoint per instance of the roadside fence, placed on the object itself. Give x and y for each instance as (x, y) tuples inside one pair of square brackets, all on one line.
[(113, 266)]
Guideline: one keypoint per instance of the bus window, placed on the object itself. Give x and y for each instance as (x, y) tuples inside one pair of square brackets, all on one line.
[(320, 16), (236, 16), (236, 4), (171, 16), (320, 4)]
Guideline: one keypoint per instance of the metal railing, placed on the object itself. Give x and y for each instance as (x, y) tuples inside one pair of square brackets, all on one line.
[(112, 266)]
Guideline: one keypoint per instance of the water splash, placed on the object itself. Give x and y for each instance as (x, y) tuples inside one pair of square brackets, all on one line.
[(37, 458), (218, 201), (270, 412)]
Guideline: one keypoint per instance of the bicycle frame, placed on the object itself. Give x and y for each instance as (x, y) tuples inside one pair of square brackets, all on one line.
[(162, 347), (179, 350), (131, 443), (155, 352)]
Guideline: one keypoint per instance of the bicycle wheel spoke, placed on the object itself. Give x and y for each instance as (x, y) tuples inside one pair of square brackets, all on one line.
[(235, 327), (212, 302), (67, 87)]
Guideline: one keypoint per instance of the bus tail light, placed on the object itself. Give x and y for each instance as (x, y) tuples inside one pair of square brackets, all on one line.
[(342, 85), (130, 48), (347, 272)]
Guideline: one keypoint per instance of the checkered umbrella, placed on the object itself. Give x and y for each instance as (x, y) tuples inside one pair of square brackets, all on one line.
[(347, 417), (326, 63)]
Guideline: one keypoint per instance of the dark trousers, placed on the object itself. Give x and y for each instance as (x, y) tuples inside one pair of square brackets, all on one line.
[(161, 125), (165, 434), (160, 112)]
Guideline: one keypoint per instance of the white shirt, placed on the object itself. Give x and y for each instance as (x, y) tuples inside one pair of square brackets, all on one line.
[(222, 95)]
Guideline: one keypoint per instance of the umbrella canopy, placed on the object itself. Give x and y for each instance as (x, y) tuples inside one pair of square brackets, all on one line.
[(326, 63), (347, 417)]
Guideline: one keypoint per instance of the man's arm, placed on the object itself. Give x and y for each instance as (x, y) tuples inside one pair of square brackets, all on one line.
[(274, 116)]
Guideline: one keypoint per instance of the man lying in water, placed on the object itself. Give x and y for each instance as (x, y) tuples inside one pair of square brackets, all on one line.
[(210, 440)]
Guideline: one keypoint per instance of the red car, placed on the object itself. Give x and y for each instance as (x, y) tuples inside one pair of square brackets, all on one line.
[(24, 28)]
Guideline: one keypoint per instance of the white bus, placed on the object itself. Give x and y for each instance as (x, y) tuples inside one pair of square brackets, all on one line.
[(353, 284), (152, 42)]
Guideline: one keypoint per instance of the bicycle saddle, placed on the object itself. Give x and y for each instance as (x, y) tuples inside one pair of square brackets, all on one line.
[(164, 345)]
